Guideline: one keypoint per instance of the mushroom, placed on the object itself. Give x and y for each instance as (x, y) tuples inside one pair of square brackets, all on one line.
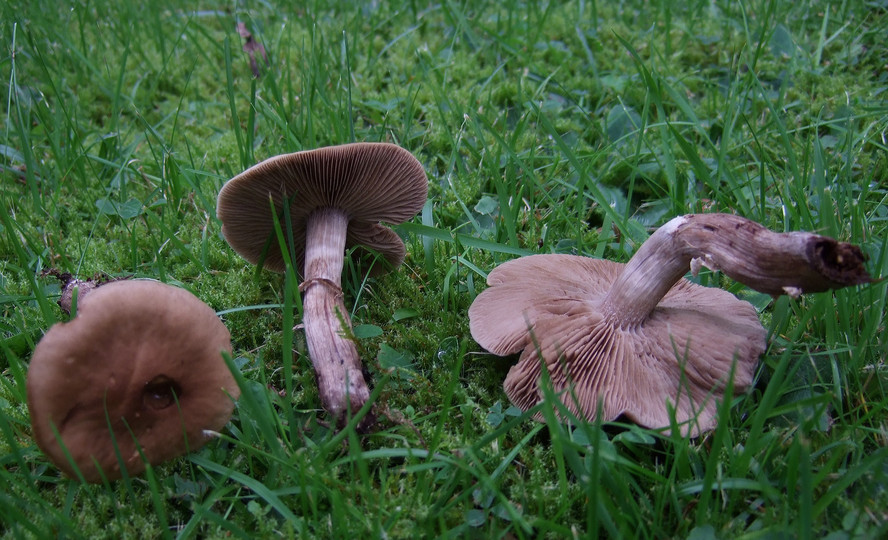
[(626, 339), (138, 371), (336, 197)]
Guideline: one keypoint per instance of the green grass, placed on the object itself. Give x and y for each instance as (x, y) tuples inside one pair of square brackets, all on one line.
[(544, 127)]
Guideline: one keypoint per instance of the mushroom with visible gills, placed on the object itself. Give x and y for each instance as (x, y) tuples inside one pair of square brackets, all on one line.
[(140, 368), (626, 339), (336, 197)]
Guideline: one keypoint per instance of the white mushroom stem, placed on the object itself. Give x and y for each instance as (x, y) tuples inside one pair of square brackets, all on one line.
[(328, 327), (773, 263)]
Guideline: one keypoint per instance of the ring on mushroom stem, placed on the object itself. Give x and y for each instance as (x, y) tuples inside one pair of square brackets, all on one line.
[(337, 290), (335, 197), (628, 339), (142, 356)]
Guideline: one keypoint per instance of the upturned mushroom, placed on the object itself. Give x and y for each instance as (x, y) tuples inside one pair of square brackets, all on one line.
[(628, 339), (337, 198), (136, 377)]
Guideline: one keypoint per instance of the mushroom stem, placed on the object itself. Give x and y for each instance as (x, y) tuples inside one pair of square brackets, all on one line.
[(333, 354), (774, 263)]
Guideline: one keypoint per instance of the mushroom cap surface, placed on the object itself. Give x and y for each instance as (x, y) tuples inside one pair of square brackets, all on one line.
[(550, 307), (370, 182), (142, 356)]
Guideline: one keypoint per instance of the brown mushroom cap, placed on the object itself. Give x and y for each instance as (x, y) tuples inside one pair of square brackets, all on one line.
[(371, 182), (551, 307), (142, 356)]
